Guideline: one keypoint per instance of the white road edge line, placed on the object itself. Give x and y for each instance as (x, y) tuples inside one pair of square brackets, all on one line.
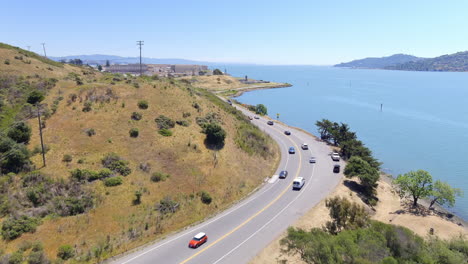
[(209, 222), (271, 220)]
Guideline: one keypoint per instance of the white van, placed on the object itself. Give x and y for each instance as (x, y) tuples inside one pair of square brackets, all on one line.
[(298, 183), (304, 146)]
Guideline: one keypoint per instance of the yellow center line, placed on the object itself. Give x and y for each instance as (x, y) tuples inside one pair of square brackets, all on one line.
[(253, 216)]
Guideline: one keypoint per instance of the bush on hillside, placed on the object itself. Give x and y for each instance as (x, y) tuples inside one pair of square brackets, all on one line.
[(113, 181), (15, 227), (87, 106), (165, 132), (143, 104), (20, 132), (67, 158), (217, 72), (113, 162), (134, 132), (215, 134), (136, 116), (159, 176), (67, 206), (90, 132), (17, 159), (65, 252), (205, 197), (164, 122)]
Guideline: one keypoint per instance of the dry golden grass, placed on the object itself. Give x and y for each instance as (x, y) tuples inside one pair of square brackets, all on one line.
[(22, 68), (228, 174)]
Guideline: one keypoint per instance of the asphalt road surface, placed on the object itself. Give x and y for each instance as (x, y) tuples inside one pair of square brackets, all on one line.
[(239, 233)]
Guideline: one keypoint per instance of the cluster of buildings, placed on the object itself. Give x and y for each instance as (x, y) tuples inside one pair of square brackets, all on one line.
[(163, 70)]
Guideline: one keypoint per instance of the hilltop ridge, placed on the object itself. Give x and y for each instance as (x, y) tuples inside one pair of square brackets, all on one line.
[(457, 62)]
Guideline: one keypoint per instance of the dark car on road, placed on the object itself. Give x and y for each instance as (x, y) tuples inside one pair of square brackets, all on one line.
[(336, 168), (270, 123), (283, 174), (292, 150), (287, 132)]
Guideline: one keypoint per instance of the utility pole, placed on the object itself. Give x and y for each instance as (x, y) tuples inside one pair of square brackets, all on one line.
[(140, 43), (43, 47), (40, 134)]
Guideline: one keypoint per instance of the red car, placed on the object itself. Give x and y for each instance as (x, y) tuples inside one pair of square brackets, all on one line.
[(198, 240)]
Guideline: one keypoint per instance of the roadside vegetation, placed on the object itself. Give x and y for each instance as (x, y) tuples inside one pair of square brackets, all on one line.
[(361, 164), (419, 184), (128, 159), (350, 237)]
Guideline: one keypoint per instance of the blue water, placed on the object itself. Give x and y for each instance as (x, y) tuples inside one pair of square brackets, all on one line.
[(423, 125)]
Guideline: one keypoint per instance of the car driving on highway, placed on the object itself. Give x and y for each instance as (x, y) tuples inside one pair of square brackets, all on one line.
[(304, 146), (198, 240), (270, 123), (312, 160), (298, 183), (287, 132), (283, 174), (292, 150)]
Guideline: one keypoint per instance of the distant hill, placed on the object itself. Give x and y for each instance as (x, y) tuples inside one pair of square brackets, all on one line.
[(379, 63), (101, 59), (457, 62)]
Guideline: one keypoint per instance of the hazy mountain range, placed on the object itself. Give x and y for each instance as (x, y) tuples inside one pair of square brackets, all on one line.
[(101, 59), (379, 63), (457, 62)]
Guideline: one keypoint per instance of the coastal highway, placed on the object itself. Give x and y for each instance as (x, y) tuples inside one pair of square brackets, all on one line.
[(239, 233)]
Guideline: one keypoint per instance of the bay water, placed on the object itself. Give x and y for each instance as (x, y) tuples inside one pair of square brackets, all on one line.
[(423, 123)]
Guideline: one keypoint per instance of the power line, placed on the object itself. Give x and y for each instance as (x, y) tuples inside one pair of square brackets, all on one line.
[(43, 47), (140, 43)]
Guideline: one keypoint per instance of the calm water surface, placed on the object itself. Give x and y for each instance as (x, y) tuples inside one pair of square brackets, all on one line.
[(423, 125)]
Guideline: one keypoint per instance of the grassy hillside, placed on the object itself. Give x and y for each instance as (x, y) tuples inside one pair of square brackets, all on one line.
[(457, 62), (378, 63), (174, 181)]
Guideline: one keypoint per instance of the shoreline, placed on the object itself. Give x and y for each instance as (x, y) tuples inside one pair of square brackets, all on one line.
[(242, 90), (386, 177)]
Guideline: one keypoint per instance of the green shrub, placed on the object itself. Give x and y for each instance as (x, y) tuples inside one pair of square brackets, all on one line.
[(217, 72), (16, 258), (143, 104), (82, 175), (90, 132), (87, 106), (165, 132), (67, 158), (134, 132), (164, 122), (184, 123), (37, 257), (67, 206), (20, 132), (136, 116), (105, 173), (159, 176), (14, 227), (7, 62), (115, 163), (138, 195), (113, 181), (215, 134), (65, 252), (205, 197), (17, 159)]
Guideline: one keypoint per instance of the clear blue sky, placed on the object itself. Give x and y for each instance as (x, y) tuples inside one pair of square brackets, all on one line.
[(265, 32)]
